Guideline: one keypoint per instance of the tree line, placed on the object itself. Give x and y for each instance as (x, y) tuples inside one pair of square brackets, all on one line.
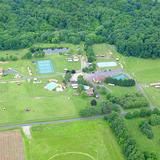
[(133, 26), (120, 82), (127, 143)]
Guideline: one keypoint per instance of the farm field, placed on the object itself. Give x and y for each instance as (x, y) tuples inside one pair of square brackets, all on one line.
[(43, 105), (81, 140), (11, 145), (142, 141)]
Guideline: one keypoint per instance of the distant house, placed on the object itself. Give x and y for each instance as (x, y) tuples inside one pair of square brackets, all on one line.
[(90, 92), (86, 87), (1, 71), (74, 85), (53, 80)]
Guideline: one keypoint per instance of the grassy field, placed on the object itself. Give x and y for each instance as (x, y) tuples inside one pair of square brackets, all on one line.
[(43, 104), (119, 91), (142, 141), (108, 52), (82, 140), (59, 61), (145, 71)]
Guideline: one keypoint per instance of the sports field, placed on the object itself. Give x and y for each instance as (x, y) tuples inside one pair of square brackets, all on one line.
[(81, 140), (43, 105), (142, 141)]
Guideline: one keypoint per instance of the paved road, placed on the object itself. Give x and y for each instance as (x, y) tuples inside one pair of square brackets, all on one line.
[(12, 126)]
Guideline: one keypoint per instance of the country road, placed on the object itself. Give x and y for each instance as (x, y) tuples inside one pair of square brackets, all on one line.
[(12, 126)]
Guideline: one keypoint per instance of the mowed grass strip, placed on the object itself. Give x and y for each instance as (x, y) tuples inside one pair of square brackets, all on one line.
[(81, 140), (145, 144)]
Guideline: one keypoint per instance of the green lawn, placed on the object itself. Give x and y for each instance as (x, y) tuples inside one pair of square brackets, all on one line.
[(142, 141), (44, 105), (108, 51), (81, 140), (119, 91), (145, 71), (60, 63)]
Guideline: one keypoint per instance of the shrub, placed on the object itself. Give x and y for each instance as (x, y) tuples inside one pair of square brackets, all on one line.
[(154, 120), (125, 82), (146, 129), (93, 102)]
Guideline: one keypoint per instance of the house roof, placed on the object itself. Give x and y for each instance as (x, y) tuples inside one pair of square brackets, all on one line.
[(90, 92)]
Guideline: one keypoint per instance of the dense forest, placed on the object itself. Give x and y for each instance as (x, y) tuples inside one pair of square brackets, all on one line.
[(133, 26)]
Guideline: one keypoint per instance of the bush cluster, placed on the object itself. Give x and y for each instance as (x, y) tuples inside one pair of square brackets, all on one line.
[(146, 129), (129, 101), (121, 82)]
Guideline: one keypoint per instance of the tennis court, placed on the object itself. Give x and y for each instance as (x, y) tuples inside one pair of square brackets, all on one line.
[(106, 64), (45, 66)]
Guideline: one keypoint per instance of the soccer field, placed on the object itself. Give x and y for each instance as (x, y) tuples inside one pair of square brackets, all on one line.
[(82, 140)]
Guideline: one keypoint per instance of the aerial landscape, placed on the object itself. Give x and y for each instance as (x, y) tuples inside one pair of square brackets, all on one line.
[(79, 80)]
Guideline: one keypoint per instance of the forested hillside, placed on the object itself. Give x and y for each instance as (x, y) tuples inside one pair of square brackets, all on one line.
[(132, 25)]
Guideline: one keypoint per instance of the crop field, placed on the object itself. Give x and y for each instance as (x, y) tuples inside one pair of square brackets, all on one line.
[(81, 140), (11, 146), (142, 141)]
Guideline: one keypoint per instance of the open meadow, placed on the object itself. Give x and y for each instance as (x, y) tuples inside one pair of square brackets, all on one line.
[(82, 140), (144, 71), (42, 104), (145, 144)]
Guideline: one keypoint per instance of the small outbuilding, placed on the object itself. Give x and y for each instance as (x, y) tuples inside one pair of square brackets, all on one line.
[(90, 92), (1, 71)]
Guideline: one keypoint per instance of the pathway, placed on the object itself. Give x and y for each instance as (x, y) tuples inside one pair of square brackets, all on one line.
[(12, 126), (140, 89)]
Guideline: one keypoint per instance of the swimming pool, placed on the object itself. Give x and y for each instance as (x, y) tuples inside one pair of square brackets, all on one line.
[(106, 64), (45, 66), (120, 77), (51, 86)]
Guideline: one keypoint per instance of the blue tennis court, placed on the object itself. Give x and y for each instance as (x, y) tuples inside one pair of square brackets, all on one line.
[(45, 66)]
